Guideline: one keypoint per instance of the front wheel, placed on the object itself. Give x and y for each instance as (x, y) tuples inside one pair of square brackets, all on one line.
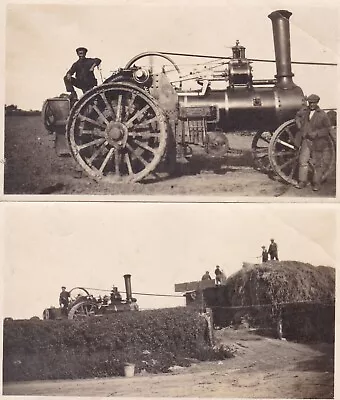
[(284, 152)]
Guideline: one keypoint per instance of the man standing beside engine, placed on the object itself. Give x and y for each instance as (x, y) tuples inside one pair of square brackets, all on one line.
[(83, 69), (314, 126)]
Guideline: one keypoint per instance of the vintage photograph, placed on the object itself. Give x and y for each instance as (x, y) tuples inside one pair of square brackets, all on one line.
[(145, 98), (169, 300)]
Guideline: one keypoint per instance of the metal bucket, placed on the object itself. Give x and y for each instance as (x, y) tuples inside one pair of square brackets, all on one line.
[(129, 370)]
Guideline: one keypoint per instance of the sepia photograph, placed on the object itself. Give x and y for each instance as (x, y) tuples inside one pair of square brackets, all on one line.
[(172, 98), (169, 300)]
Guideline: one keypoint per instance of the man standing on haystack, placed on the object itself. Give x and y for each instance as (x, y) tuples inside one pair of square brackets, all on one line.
[(264, 254), (206, 276), (273, 250), (219, 275)]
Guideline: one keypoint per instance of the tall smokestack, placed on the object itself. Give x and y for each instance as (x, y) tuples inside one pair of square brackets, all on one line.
[(128, 289), (280, 21)]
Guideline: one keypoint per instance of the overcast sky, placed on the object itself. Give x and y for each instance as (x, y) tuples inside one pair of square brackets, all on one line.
[(41, 39), (94, 244)]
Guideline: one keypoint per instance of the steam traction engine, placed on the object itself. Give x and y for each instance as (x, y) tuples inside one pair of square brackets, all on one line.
[(138, 119), (83, 304)]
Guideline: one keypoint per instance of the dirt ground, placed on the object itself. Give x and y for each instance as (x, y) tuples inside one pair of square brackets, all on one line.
[(32, 167), (262, 368)]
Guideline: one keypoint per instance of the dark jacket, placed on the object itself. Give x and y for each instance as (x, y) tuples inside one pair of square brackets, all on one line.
[(82, 69), (63, 297), (272, 249), (264, 255), (317, 127)]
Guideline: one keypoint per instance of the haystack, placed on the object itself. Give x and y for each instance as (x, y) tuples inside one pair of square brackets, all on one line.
[(276, 282), (300, 294)]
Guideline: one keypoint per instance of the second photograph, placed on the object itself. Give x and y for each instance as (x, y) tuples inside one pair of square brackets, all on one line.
[(169, 300)]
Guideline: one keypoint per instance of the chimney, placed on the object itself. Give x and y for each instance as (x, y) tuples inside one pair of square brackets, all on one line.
[(128, 290), (280, 21)]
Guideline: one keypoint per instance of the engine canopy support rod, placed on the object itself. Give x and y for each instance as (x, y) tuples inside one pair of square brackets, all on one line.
[(251, 59)]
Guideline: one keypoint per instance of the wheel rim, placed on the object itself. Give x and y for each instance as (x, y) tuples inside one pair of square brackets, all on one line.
[(260, 149), (117, 133), (284, 153), (47, 116), (82, 310)]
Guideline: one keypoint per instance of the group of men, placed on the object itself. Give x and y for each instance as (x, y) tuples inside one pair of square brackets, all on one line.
[(64, 298), (272, 252), (219, 276)]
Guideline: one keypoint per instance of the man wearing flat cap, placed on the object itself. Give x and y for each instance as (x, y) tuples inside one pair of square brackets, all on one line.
[(64, 300), (314, 126), (84, 77), (273, 250)]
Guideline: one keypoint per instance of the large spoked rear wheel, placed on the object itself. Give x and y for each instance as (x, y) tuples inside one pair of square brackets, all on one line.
[(83, 309), (284, 151), (117, 133)]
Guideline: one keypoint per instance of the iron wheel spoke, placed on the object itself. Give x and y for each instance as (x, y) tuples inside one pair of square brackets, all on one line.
[(128, 163), (290, 134), (107, 158), (138, 115), (284, 153), (91, 121), (144, 134), (141, 159), (96, 109), (94, 132), (88, 144), (288, 162), (286, 144), (293, 170), (146, 124), (144, 146), (107, 104), (119, 108), (96, 153), (117, 161)]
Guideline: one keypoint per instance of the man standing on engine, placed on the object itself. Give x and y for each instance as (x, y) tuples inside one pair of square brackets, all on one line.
[(314, 126), (273, 250), (64, 300), (84, 76)]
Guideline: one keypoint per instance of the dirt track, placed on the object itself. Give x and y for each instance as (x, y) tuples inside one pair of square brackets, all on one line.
[(32, 167), (261, 368)]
